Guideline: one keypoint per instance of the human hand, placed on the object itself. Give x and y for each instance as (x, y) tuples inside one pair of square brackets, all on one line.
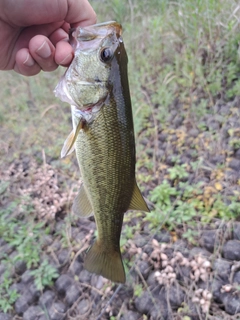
[(34, 33)]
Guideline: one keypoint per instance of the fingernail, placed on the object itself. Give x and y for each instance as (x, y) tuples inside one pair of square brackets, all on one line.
[(67, 59), (44, 51), (29, 62)]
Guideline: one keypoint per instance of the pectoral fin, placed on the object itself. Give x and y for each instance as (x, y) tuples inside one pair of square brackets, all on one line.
[(81, 204), (68, 145), (138, 202)]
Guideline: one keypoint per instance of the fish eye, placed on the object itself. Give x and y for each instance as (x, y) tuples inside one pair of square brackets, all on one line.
[(106, 55)]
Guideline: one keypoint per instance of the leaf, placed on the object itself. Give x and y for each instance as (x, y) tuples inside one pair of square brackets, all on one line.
[(218, 186)]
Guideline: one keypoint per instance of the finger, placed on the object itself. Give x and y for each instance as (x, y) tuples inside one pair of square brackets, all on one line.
[(64, 53), (80, 13), (43, 51), (25, 64)]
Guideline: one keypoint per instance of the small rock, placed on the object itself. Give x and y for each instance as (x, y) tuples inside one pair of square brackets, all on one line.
[(97, 281), (21, 304), (144, 303), (34, 291), (63, 283), (63, 256), (163, 236), (19, 287), (47, 299), (236, 230), (232, 304), (57, 311), (234, 164), (131, 315), (75, 268), (27, 277), (217, 159), (83, 306), (32, 313), (151, 281), (208, 240), (236, 278), (20, 267), (222, 268), (193, 132), (144, 268), (139, 240), (231, 250), (216, 290), (176, 296), (85, 276), (72, 294), (237, 154), (5, 316), (196, 251)]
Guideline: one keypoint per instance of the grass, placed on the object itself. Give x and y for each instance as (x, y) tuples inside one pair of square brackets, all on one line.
[(183, 56)]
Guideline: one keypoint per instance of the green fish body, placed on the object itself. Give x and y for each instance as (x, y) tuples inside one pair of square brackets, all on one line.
[(96, 85)]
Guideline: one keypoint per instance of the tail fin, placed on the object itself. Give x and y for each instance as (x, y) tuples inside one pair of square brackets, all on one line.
[(107, 263)]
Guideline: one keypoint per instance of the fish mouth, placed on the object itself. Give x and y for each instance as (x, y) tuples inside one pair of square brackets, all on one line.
[(82, 37)]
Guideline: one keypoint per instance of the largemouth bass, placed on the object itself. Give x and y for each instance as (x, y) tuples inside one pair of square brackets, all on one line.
[(96, 86)]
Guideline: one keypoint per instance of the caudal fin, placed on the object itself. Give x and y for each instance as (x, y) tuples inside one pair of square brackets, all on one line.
[(107, 263)]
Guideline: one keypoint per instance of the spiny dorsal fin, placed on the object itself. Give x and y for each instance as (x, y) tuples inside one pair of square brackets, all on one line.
[(137, 201), (81, 204), (68, 145)]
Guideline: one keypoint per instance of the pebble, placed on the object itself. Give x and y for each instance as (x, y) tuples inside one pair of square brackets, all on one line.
[(63, 283), (222, 268), (231, 250), (236, 278), (208, 240), (163, 236), (83, 306), (75, 268), (232, 304), (72, 294), (144, 268), (32, 313), (27, 277), (176, 296), (5, 316), (20, 267), (47, 299), (234, 164), (237, 154), (63, 256), (236, 230), (131, 315), (144, 303), (85, 276), (57, 311)]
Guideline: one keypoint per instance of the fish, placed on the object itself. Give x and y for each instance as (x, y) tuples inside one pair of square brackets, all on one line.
[(96, 86)]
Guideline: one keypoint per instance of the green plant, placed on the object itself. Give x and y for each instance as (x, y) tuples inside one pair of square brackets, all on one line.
[(138, 290), (178, 172), (44, 275), (7, 296)]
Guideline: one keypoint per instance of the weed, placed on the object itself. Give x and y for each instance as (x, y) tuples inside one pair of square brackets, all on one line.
[(44, 275), (7, 296)]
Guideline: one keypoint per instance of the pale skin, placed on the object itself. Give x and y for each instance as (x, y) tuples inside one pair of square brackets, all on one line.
[(34, 33)]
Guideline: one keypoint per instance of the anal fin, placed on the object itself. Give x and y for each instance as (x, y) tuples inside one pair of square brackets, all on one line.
[(81, 204), (137, 201)]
